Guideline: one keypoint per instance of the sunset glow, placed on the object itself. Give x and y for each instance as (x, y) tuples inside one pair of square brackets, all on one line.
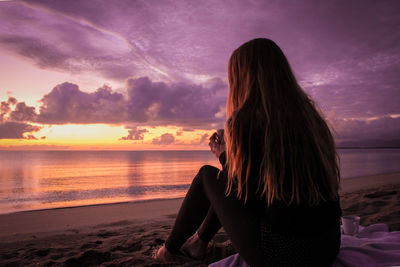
[(152, 75), (106, 137)]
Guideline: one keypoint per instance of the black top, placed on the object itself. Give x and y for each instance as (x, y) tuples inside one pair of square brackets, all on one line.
[(297, 219), (296, 235)]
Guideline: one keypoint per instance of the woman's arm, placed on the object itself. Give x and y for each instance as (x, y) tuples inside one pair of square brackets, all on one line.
[(222, 160)]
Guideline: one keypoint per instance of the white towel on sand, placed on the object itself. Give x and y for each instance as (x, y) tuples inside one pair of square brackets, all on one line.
[(372, 246)]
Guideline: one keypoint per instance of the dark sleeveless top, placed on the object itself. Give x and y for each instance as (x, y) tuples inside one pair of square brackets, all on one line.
[(297, 235)]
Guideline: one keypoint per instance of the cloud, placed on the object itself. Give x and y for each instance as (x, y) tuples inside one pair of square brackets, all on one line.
[(149, 103), (31, 137), (66, 103), (175, 103), (12, 100), (13, 118), (22, 112), (201, 140), (19, 112), (165, 139), (190, 106), (135, 134), (5, 107), (376, 131), (182, 40), (60, 42), (187, 129), (16, 130), (145, 101)]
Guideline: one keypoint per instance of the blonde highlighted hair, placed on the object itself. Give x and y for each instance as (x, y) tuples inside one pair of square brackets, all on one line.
[(275, 137)]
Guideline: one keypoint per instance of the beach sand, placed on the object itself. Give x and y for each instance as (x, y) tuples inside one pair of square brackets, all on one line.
[(126, 234)]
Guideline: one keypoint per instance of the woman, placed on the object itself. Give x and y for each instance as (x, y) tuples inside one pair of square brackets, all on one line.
[(277, 194)]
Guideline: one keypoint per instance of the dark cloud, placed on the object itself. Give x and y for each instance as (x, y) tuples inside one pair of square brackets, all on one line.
[(14, 116), (165, 139), (12, 100), (183, 37), (66, 103), (5, 107), (16, 130), (150, 103), (174, 103), (22, 112), (380, 131), (43, 54), (146, 102), (31, 137), (135, 134), (62, 43)]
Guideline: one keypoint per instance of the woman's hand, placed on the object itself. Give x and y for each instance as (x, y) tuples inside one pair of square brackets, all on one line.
[(217, 143)]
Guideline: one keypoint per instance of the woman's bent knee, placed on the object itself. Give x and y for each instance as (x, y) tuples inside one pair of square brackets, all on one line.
[(207, 170), (207, 174)]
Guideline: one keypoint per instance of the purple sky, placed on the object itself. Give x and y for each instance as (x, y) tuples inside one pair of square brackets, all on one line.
[(167, 61)]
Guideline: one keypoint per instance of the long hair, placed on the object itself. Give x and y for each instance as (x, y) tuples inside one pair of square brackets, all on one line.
[(275, 137)]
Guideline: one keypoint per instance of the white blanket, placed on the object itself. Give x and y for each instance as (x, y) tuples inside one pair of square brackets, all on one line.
[(372, 246)]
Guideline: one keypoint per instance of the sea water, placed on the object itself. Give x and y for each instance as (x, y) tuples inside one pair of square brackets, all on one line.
[(32, 180)]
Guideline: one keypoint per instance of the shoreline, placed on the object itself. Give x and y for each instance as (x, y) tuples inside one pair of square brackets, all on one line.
[(55, 219), (350, 184), (354, 184), (91, 205)]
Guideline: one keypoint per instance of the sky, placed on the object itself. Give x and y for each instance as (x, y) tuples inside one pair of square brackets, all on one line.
[(138, 75)]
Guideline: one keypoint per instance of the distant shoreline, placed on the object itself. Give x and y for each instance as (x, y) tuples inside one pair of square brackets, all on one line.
[(155, 150)]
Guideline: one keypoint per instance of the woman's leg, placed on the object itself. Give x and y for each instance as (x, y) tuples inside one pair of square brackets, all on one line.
[(239, 220), (197, 245), (209, 227), (193, 211)]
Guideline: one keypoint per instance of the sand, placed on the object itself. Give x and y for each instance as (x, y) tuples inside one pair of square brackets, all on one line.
[(126, 234)]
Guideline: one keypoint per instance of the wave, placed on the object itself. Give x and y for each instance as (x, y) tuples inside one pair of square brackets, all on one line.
[(108, 193)]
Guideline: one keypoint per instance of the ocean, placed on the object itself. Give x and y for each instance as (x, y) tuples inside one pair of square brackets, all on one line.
[(31, 180)]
